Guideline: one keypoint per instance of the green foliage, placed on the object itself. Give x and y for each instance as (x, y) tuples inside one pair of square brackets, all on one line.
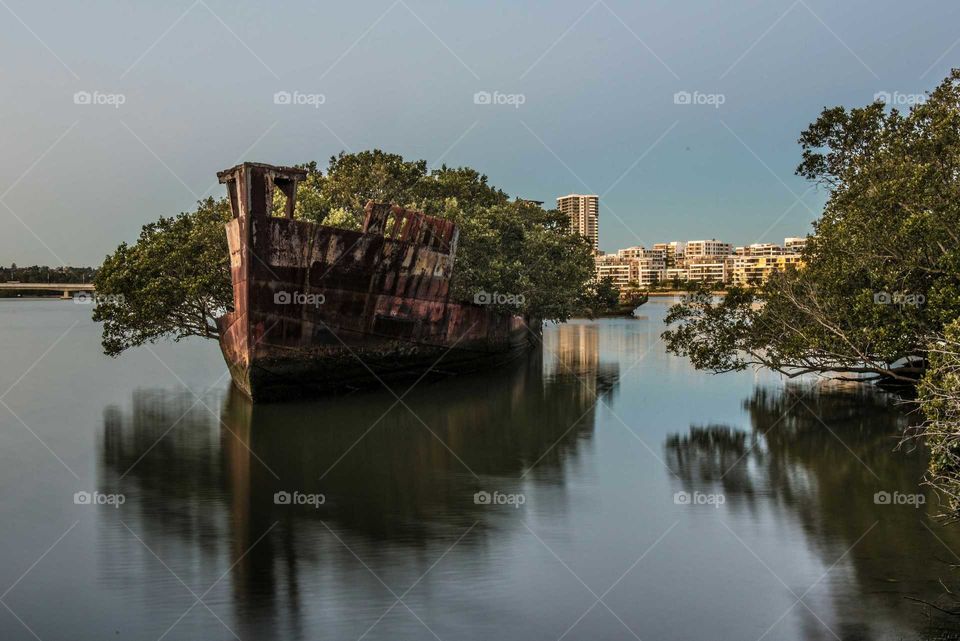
[(342, 219), (889, 232), (353, 179), (511, 248), (172, 282), (939, 396), (605, 295), (603, 298), (711, 332)]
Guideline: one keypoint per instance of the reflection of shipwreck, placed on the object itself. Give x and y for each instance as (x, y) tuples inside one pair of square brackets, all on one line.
[(319, 309)]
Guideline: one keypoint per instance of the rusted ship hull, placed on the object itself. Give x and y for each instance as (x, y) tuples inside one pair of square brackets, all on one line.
[(320, 310)]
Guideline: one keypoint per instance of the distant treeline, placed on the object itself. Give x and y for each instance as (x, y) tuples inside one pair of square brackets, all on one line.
[(45, 274)]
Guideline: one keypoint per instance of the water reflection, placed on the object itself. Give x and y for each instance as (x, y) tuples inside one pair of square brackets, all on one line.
[(798, 474), (817, 456), (398, 477)]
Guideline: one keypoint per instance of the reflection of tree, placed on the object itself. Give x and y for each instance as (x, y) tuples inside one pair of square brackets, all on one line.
[(711, 455), (167, 446), (392, 476), (812, 453)]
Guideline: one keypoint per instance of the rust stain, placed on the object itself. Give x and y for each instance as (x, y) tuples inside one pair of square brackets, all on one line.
[(319, 309)]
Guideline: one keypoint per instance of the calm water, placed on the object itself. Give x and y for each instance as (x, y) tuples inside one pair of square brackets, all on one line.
[(596, 436)]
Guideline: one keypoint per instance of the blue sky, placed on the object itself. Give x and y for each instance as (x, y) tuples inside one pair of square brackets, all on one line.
[(197, 80)]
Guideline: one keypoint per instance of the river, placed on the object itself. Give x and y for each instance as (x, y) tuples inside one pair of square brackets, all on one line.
[(601, 489)]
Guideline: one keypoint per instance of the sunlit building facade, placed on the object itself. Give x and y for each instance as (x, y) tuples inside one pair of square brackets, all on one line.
[(584, 213)]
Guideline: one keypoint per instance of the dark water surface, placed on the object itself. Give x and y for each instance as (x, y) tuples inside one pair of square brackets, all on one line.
[(601, 436)]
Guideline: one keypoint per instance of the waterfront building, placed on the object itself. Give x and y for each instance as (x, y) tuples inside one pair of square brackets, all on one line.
[(759, 249), (700, 249), (623, 272), (583, 212), (672, 253), (794, 245), (754, 269), (709, 261), (649, 272), (714, 271), (675, 275), (653, 259), (630, 268), (633, 252)]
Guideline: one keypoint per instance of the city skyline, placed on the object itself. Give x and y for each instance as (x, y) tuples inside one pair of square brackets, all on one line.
[(207, 84), (705, 260), (715, 261)]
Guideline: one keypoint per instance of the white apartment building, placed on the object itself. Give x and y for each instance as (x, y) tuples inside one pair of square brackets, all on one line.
[(713, 248), (583, 210), (759, 249), (710, 272), (621, 271), (648, 276), (794, 245), (634, 267), (674, 274), (633, 252), (654, 258), (672, 253)]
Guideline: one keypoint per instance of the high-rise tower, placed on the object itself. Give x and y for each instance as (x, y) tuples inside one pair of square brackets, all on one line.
[(583, 212)]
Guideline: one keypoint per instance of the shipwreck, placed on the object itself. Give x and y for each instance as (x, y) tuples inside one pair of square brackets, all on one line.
[(320, 310)]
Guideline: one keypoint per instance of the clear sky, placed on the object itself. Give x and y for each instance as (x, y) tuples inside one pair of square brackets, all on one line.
[(586, 95)]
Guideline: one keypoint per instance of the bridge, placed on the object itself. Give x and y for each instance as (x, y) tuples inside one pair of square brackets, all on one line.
[(68, 289)]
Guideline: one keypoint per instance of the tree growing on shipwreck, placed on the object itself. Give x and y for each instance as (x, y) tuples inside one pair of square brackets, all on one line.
[(175, 280)]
